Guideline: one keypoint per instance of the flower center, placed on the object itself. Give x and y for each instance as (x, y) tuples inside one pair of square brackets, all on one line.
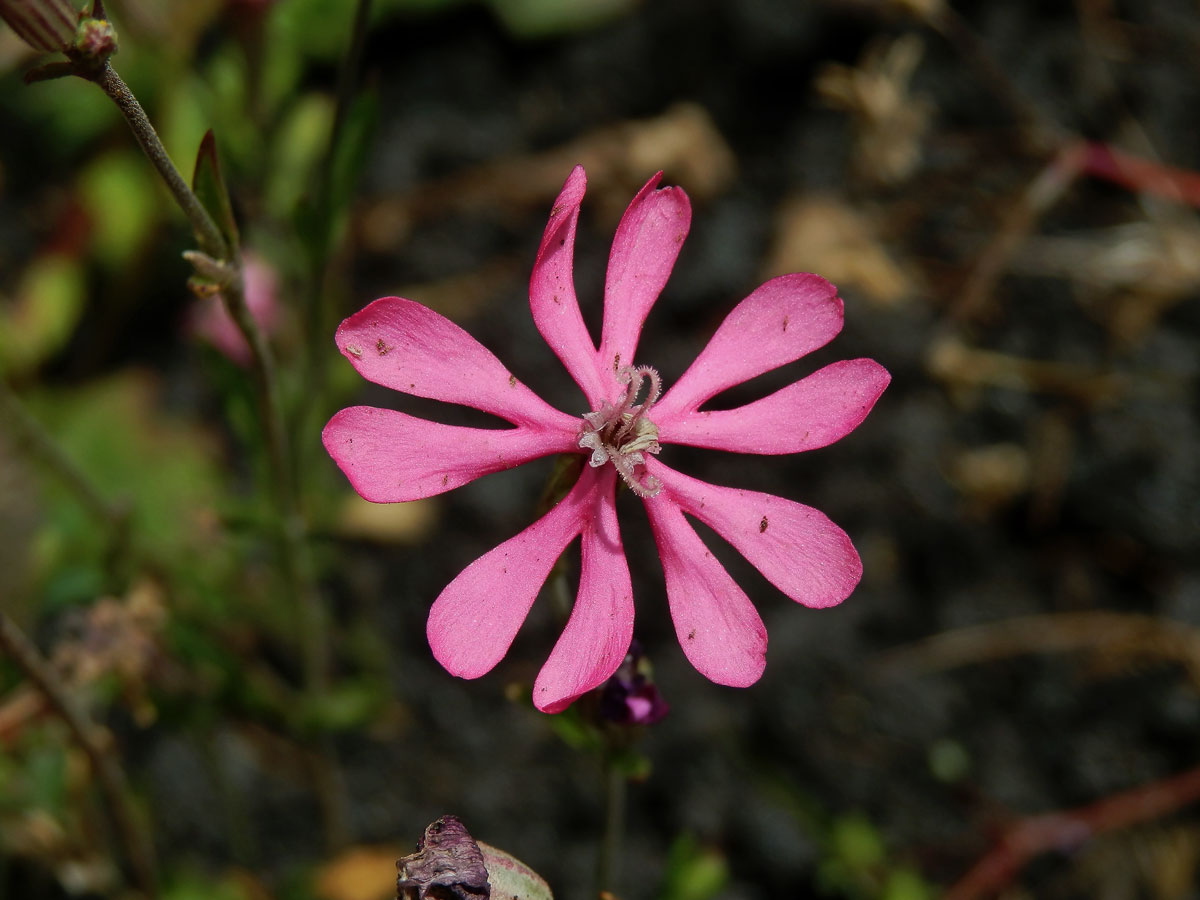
[(623, 434)]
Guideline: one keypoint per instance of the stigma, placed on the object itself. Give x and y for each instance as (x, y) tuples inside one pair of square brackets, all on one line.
[(623, 434)]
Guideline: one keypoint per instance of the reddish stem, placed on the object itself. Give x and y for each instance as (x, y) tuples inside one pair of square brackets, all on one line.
[(1139, 174), (1068, 829)]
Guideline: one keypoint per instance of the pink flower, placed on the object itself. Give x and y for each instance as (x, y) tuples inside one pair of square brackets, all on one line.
[(390, 456), (211, 320)]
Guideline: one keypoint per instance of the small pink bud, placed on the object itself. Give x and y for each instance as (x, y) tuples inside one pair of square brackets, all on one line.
[(46, 25)]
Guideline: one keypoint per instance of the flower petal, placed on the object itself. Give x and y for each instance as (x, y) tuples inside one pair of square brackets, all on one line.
[(781, 321), (407, 347), (600, 629), (812, 412), (717, 625), (391, 457), (552, 292), (474, 620), (796, 547), (643, 253)]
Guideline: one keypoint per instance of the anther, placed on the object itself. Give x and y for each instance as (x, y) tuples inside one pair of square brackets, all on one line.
[(623, 434)]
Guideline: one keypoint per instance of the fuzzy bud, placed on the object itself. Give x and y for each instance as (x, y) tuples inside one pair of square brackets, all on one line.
[(95, 42)]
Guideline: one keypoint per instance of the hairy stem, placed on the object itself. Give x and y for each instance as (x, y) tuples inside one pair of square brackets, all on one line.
[(207, 233), (136, 847)]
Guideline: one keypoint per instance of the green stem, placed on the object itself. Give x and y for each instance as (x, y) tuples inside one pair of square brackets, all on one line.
[(137, 849), (608, 867), (347, 83), (323, 200)]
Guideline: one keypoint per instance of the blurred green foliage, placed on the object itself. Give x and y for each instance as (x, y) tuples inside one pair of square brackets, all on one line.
[(42, 314), (693, 871)]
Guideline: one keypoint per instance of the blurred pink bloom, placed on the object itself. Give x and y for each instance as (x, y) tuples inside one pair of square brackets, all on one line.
[(211, 320), (390, 456)]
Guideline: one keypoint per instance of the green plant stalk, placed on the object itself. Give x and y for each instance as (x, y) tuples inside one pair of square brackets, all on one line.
[(317, 326), (136, 847), (299, 582), (608, 866)]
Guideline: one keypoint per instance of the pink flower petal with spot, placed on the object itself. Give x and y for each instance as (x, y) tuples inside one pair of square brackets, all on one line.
[(600, 629), (391, 457), (717, 625), (552, 292), (796, 547), (644, 250), (781, 321), (407, 347), (473, 621), (810, 413)]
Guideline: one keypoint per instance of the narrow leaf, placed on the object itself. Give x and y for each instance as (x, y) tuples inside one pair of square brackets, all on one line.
[(210, 189)]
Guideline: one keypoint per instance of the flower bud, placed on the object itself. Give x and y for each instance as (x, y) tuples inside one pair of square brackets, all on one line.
[(630, 697), (46, 25), (95, 41)]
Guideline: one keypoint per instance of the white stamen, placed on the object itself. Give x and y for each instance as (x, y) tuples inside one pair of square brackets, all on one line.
[(623, 434)]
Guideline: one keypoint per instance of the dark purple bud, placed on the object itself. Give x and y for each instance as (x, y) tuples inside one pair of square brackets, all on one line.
[(630, 697), (448, 865)]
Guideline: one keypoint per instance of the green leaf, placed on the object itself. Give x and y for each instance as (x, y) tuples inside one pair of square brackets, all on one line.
[(542, 18), (210, 189), (121, 200), (46, 310), (299, 146), (693, 872), (166, 468), (46, 771), (633, 765), (343, 707), (350, 158), (857, 842), (905, 884), (575, 731)]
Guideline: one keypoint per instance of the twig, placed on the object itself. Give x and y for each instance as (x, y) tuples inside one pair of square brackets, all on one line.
[(1068, 829), (1039, 126), (207, 233), (1140, 174), (1042, 193), (136, 847)]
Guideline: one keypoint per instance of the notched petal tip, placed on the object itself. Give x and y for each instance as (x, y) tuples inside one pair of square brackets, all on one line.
[(572, 191)]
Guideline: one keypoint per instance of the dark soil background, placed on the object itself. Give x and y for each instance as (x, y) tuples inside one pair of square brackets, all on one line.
[(1025, 495)]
